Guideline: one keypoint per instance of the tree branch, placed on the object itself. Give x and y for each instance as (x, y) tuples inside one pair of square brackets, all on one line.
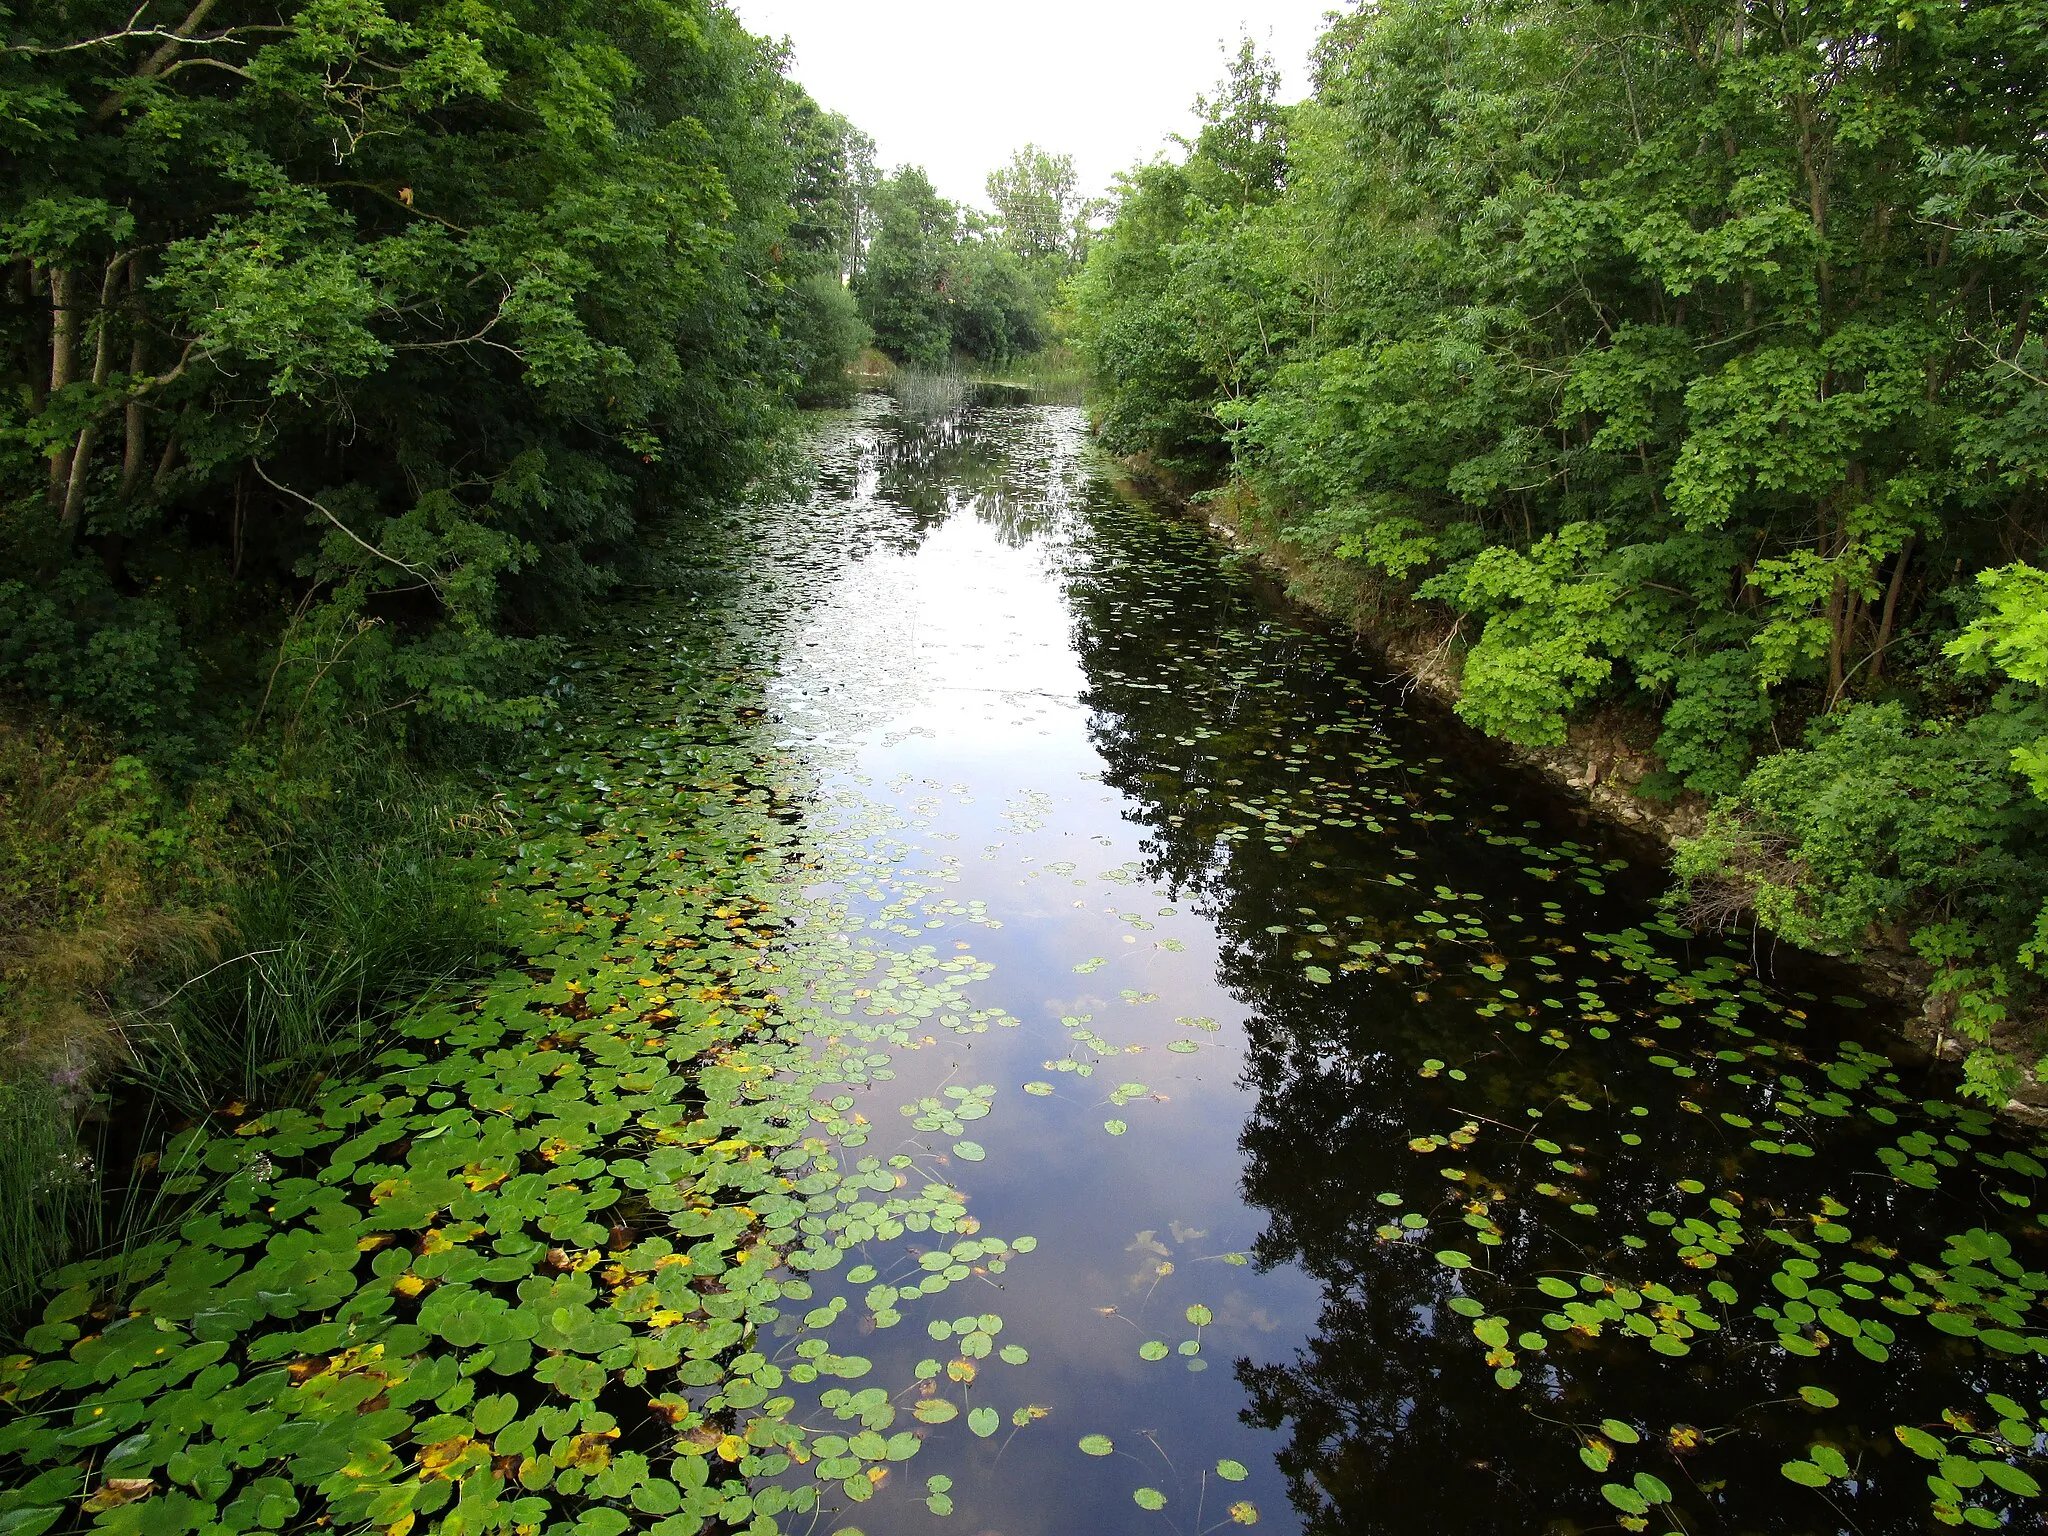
[(365, 544)]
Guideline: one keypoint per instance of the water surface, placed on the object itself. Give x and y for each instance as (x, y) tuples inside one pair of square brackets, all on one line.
[(1380, 1141)]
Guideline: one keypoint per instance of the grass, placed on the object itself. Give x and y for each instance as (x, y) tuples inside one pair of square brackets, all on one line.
[(1054, 376), (48, 1188), (928, 394), (360, 921)]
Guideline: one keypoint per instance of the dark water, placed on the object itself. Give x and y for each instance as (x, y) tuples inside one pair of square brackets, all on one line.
[(1510, 1206)]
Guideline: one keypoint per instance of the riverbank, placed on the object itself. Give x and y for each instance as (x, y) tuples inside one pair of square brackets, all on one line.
[(1602, 765)]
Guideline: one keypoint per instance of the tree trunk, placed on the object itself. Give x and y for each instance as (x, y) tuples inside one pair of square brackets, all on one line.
[(1891, 608), (135, 426), (63, 366), (102, 365), (1838, 606)]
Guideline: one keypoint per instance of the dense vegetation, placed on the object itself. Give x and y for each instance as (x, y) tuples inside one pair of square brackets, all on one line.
[(351, 351), (1690, 354), (937, 283)]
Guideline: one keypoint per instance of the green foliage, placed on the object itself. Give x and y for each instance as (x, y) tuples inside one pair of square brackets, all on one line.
[(1036, 201), (826, 334), (902, 281), (935, 283), (1178, 313), (400, 320), (1691, 358)]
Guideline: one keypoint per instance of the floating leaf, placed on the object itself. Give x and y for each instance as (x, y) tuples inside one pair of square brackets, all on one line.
[(934, 1410), (1820, 1397), (1096, 1445), (1149, 1498), (1152, 1349), (1232, 1471), (969, 1151), (1115, 1127), (1200, 1315), (1624, 1498), (984, 1421), (1244, 1512), (2011, 1478), (1919, 1442)]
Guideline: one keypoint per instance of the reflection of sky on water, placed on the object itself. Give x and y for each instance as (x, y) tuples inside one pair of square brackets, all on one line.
[(1040, 717), (940, 680)]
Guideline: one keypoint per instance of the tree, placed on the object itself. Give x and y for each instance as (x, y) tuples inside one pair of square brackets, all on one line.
[(377, 316), (902, 283), (1037, 204), (1691, 356)]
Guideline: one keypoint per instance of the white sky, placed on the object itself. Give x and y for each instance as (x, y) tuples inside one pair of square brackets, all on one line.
[(955, 85)]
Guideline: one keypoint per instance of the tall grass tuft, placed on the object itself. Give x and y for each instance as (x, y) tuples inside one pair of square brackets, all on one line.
[(928, 394), (371, 910), (47, 1188)]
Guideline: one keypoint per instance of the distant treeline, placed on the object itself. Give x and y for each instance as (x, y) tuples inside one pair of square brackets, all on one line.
[(936, 282), (1694, 353)]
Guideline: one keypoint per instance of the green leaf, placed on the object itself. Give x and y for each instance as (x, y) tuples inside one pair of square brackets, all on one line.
[(1149, 1498), (1232, 1471), (1919, 1442), (984, 1422), (1096, 1445), (1624, 1498), (2012, 1479)]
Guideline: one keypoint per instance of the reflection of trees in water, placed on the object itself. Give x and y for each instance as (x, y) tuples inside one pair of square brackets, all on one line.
[(1394, 1422), (1015, 470)]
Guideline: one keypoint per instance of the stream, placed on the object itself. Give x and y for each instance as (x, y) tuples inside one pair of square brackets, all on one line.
[(1010, 1030), (1314, 1023)]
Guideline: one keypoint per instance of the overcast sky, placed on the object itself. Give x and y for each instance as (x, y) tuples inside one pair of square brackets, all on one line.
[(955, 85)]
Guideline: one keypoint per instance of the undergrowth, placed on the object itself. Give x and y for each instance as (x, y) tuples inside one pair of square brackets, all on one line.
[(164, 952)]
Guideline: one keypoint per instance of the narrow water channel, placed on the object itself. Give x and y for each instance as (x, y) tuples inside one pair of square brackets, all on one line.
[(1383, 1147), (1006, 1030)]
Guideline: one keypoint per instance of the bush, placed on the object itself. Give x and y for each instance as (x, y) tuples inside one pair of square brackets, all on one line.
[(825, 334)]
